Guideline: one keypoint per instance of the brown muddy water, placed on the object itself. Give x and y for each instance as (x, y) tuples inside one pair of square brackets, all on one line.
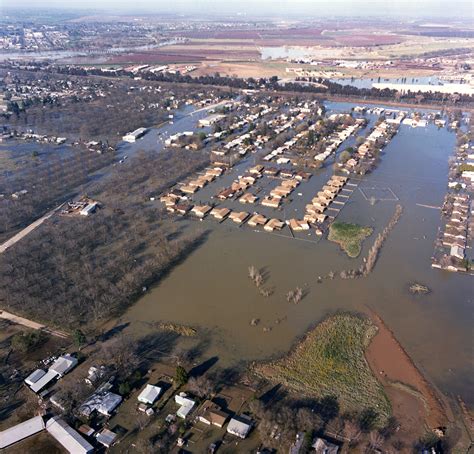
[(211, 290)]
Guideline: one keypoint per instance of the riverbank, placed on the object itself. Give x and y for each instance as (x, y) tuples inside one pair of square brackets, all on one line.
[(414, 401), (330, 361)]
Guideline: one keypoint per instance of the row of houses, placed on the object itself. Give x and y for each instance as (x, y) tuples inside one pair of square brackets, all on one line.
[(458, 209), (212, 414), (364, 155), (454, 239), (337, 138), (314, 210), (191, 186), (273, 155)]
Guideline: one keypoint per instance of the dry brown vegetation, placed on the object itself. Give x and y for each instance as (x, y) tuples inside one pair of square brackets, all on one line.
[(70, 272)]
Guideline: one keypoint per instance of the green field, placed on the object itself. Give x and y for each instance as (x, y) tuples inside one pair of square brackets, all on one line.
[(330, 361), (349, 236)]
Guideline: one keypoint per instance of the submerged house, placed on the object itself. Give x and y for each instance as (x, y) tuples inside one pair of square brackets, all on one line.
[(257, 219), (239, 217)]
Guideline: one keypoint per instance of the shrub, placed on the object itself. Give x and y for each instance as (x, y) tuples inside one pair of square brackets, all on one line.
[(26, 341)]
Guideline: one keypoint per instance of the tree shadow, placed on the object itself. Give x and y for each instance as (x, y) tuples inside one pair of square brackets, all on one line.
[(274, 395), (112, 332), (156, 346), (6, 411), (202, 368), (226, 376)]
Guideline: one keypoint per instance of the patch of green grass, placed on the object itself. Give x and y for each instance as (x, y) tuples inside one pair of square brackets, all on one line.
[(330, 361), (349, 236)]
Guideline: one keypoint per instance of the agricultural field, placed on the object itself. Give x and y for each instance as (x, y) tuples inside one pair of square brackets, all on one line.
[(330, 361)]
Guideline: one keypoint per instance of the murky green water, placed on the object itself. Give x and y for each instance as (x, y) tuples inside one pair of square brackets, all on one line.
[(211, 291)]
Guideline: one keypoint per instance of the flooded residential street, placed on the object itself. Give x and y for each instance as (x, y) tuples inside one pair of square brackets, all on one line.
[(211, 290)]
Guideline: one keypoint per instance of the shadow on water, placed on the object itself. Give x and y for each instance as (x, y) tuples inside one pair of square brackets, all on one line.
[(204, 367), (112, 332), (226, 376), (195, 353), (156, 346)]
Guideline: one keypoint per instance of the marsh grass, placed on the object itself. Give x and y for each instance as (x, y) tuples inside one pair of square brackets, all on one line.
[(330, 361), (349, 237)]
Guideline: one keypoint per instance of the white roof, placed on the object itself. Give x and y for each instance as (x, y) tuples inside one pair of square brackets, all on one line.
[(68, 437), (102, 402), (106, 437), (186, 403), (44, 380), (149, 394), (34, 376), (63, 364), (21, 431), (238, 427)]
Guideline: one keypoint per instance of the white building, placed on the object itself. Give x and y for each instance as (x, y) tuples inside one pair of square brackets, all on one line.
[(186, 405), (34, 376), (210, 120), (239, 427), (88, 209), (39, 379), (68, 437), (21, 431), (133, 136), (149, 394), (103, 402), (63, 365)]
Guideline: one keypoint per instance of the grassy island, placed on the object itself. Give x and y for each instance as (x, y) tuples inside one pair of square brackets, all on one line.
[(349, 236), (330, 361)]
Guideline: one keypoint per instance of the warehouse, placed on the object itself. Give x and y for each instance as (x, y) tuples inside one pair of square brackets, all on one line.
[(133, 136)]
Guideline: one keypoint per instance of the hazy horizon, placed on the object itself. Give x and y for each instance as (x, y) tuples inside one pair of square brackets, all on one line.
[(250, 8)]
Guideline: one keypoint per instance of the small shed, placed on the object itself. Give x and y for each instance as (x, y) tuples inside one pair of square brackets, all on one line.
[(106, 437)]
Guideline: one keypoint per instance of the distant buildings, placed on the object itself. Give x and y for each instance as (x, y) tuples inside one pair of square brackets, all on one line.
[(210, 120), (133, 136)]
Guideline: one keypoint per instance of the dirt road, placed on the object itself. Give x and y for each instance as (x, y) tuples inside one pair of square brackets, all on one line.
[(27, 230), (30, 324)]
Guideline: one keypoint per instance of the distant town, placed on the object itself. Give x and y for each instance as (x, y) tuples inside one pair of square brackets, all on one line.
[(236, 235)]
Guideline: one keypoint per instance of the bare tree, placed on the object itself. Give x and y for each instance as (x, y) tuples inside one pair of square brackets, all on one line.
[(201, 386)]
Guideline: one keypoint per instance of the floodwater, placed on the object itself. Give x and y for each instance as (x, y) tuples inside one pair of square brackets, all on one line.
[(64, 54), (211, 290), (368, 82)]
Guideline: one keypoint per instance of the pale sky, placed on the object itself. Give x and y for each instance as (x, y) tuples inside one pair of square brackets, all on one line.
[(313, 8)]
